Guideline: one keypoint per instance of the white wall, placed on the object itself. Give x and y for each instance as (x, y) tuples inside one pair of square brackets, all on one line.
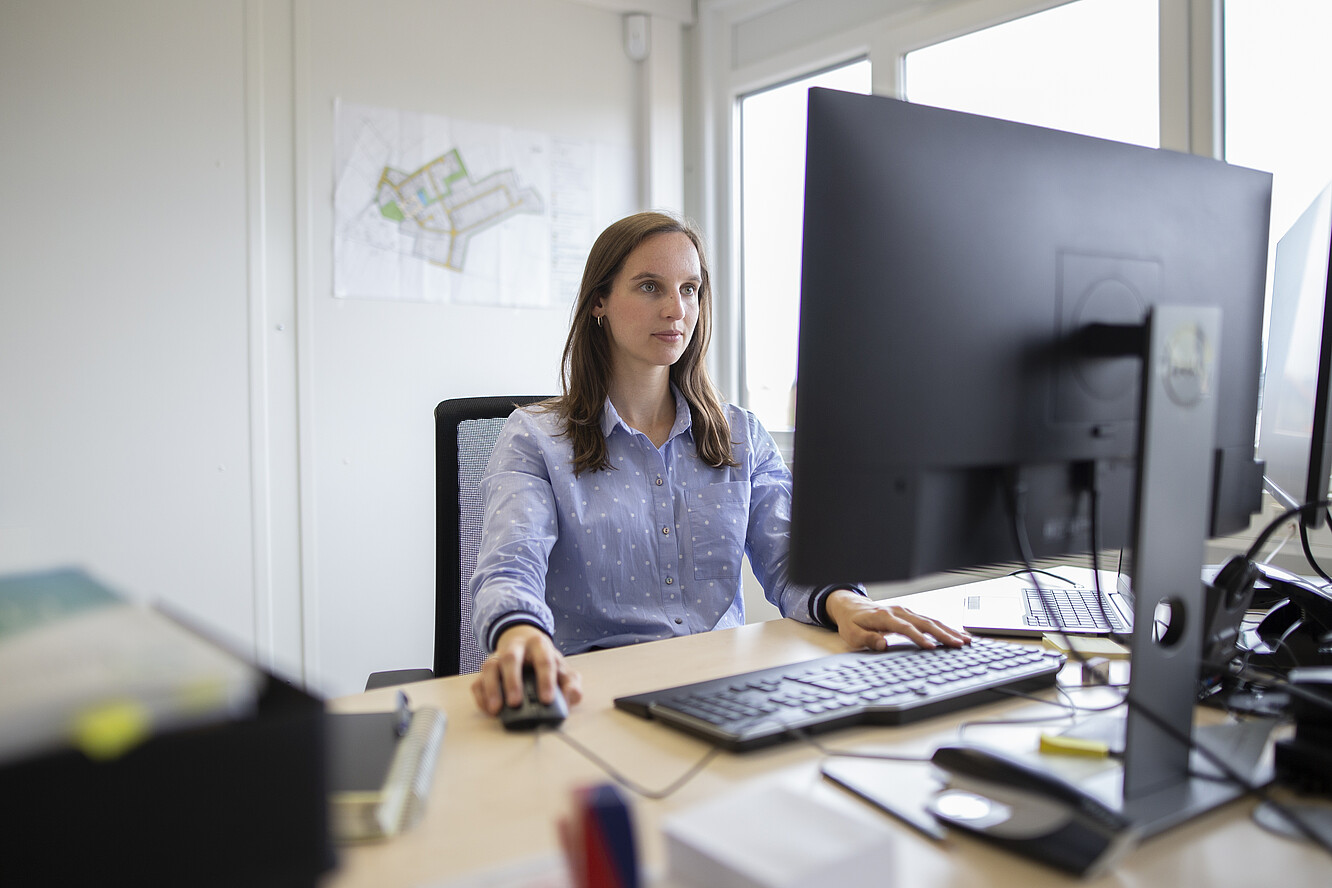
[(187, 410), (124, 387)]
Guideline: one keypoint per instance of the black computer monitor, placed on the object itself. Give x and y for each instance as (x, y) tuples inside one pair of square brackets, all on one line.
[(1001, 323), (952, 266), (1295, 435)]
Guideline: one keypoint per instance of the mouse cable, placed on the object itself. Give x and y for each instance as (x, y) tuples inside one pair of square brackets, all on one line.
[(627, 782)]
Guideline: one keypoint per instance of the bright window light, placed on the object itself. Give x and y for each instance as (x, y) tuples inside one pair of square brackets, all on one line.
[(1089, 67), (772, 126), (1277, 70)]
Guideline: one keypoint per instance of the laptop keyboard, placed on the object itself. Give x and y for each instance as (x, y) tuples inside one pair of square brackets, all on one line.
[(756, 709), (1073, 610)]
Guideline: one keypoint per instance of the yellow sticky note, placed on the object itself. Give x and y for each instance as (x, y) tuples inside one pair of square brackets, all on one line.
[(1057, 745), (1086, 646)]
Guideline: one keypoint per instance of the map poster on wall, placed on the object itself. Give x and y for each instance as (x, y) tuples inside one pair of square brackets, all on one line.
[(432, 209)]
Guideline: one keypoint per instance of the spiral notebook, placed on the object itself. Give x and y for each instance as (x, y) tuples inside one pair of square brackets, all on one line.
[(380, 768)]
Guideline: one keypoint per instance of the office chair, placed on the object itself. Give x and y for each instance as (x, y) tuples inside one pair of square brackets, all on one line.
[(465, 434)]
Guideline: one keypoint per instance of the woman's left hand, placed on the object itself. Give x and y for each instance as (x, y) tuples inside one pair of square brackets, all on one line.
[(863, 623)]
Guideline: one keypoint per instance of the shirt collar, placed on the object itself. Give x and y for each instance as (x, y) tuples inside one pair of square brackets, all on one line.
[(610, 417)]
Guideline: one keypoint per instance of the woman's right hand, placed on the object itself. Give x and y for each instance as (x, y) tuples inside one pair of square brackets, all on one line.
[(501, 677)]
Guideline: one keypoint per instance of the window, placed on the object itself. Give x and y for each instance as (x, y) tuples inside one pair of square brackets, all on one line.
[(1277, 66), (772, 137), (1087, 67)]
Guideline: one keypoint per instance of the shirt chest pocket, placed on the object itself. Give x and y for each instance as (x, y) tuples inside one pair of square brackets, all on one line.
[(718, 518)]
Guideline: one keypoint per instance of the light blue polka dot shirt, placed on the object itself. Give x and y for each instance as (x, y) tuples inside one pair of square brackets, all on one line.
[(649, 549)]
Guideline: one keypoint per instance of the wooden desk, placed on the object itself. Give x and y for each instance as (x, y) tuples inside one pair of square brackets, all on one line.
[(497, 796)]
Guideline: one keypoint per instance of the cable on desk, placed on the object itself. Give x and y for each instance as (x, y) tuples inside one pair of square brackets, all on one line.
[(1017, 493), (807, 737), (965, 726), (1072, 711), (1072, 707), (1067, 704), (628, 783), (1095, 710)]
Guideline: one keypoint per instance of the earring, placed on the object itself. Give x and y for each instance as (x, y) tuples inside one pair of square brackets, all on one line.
[(599, 320)]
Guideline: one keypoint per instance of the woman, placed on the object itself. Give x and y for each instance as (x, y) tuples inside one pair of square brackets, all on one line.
[(620, 511)]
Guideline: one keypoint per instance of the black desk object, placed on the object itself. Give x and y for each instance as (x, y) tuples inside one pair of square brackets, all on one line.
[(238, 803)]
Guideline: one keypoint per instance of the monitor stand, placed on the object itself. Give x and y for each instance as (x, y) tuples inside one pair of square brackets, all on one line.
[(1162, 783)]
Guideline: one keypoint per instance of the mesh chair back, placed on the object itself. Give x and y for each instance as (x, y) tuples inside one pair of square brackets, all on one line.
[(465, 433)]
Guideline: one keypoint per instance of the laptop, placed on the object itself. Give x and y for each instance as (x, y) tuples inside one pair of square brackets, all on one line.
[(1065, 599)]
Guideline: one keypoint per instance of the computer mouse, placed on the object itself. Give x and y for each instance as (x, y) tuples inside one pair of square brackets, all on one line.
[(1030, 811), (532, 713)]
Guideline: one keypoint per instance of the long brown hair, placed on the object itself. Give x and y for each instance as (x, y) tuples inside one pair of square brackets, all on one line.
[(586, 365)]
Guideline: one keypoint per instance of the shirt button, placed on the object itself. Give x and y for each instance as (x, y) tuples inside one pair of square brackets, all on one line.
[(670, 582), (660, 482), (666, 530), (678, 621)]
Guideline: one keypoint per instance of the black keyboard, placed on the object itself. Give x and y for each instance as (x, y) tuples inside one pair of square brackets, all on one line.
[(1072, 610), (755, 709)]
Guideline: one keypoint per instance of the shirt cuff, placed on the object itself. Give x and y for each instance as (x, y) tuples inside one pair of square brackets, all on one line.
[(508, 621), (818, 602)]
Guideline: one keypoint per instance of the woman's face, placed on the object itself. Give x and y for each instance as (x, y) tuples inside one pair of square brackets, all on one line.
[(650, 313)]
